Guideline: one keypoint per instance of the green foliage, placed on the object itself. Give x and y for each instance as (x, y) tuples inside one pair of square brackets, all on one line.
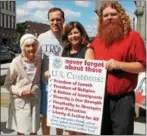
[(21, 27)]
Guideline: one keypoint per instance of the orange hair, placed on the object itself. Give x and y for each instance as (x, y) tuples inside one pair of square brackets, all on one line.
[(124, 18)]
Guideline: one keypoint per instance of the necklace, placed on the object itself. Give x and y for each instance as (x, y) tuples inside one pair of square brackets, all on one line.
[(27, 59)]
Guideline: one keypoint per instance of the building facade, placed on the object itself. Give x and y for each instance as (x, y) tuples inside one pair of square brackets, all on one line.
[(31, 27), (7, 22), (35, 27), (140, 13)]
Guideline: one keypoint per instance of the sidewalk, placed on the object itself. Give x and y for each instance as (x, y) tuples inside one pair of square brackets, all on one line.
[(139, 127), (4, 97), (5, 131), (3, 69)]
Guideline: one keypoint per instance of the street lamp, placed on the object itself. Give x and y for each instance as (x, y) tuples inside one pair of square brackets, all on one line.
[(35, 33), (27, 30)]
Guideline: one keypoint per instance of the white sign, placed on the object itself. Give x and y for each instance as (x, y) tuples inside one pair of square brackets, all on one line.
[(76, 94), (140, 91)]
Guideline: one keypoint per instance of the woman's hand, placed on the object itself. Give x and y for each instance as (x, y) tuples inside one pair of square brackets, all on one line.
[(47, 74)]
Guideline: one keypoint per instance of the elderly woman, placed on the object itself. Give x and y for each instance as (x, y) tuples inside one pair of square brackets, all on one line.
[(22, 82)]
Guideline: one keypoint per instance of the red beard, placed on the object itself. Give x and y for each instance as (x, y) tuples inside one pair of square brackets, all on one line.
[(111, 31)]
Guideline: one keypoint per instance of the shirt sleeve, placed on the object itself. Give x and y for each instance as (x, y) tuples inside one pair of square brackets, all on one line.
[(91, 45), (137, 51), (11, 79)]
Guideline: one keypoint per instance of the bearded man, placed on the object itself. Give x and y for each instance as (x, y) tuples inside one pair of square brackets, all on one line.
[(123, 50)]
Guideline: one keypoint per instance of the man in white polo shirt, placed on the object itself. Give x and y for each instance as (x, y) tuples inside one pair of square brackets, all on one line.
[(50, 44)]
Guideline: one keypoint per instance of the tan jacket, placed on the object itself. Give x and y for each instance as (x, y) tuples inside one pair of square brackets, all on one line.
[(16, 81)]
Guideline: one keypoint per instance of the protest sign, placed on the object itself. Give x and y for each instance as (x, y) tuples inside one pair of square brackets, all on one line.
[(140, 92), (76, 94)]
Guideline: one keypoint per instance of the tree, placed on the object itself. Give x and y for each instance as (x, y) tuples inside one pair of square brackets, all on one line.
[(20, 30), (21, 27)]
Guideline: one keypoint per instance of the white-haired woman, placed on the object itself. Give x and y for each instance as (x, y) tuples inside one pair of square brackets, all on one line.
[(22, 81)]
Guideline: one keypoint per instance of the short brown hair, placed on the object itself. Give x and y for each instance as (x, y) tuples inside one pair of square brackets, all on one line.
[(56, 9), (68, 27)]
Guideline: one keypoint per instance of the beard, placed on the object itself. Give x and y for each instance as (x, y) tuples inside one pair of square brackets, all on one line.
[(111, 31)]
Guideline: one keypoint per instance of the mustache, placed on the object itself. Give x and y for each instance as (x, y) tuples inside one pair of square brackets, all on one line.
[(111, 31), (106, 23)]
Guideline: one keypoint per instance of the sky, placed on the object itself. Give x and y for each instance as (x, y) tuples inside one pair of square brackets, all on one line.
[(75, 10)]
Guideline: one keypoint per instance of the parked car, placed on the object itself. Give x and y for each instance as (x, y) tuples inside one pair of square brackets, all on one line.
[(16, 49), (6, 55)]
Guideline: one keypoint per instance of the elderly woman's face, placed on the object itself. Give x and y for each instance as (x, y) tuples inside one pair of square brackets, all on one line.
[(74, 37), (30, 50)]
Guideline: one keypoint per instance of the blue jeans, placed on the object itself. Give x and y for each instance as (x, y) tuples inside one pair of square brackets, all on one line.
[(44, 94)]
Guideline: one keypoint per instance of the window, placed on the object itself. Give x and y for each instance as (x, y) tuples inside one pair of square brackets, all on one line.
[(14, 6), (6, 5), (10, 5), (10, 21), (7, 21), (3, 20), (2, 4), (14, 22)]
